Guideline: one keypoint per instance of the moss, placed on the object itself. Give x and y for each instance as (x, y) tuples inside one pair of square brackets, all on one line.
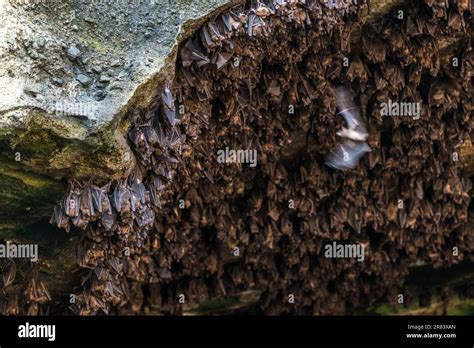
[(65, 148), (216, 304), (26, 203), (6, 226), (26, 178), (241, 302), (94, 42), (458, 306), (383, 309), (25, 197)]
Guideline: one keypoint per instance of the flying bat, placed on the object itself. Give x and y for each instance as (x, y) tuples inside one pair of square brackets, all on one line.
[(346, 155)]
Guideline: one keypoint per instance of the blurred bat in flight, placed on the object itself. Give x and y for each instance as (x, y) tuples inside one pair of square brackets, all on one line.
[(346, 155)]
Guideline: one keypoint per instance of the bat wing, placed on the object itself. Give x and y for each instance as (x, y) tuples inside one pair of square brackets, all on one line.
[(347, 155), (350, 112), (96, 198), (9, 273)]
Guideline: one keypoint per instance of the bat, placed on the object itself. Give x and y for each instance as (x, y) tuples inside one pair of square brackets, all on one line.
[(192, 52), (355, 127), (9, 272), (346, 155), (168, 105)]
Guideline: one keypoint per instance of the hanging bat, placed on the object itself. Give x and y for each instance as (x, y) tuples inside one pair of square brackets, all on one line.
[(168, 105), (9, 272), (139, 190), (192, 52), (108, 220)]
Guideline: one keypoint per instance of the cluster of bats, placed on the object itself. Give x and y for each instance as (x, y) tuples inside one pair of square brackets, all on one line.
[(185, 228)]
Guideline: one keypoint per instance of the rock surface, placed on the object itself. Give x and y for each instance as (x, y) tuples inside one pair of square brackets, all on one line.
[(70, 70)]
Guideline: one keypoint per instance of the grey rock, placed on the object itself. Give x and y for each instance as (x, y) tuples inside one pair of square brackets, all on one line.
[(97, 69), (115, 86), (33, 54), (41, 42), (115, 63), (57, 81), (99, 85), (104, 79), (27, 42), (100, 95), (73, 52), (83, 79)]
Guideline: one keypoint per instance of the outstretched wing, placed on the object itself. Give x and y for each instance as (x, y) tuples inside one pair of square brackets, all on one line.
[(356, 129), (347, 155)]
